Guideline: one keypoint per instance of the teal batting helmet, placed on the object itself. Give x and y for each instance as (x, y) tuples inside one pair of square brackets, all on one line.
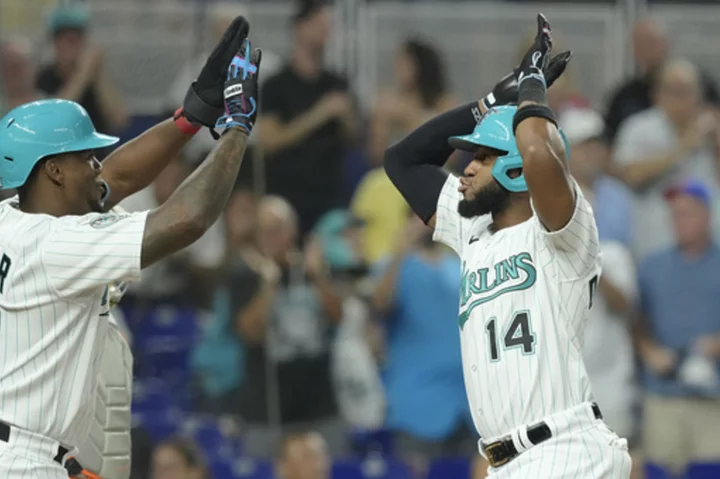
[(40, 129), (495, 131)]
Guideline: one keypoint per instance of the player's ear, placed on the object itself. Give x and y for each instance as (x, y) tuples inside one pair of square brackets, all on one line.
[(53, 170)]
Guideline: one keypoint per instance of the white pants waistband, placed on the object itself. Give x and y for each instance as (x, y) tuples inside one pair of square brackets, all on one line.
[(34, 446)]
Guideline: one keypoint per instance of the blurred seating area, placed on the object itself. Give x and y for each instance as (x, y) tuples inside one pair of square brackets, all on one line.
[(311, 333)]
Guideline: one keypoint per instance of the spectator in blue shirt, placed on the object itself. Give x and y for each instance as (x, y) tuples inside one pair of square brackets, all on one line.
[(417, 294), (678, 337), (590, 157)]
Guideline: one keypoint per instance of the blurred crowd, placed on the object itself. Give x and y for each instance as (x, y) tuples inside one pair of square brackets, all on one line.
[(317, 319)]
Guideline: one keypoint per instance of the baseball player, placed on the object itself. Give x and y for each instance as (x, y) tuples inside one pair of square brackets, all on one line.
[(60, 250), (530, 264)]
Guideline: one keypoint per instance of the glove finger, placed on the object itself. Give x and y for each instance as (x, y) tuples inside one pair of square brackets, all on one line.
[(236, 42), (543, 25), (238, 25), (244, 55), (256, 59), (544, 32), (557, 66)]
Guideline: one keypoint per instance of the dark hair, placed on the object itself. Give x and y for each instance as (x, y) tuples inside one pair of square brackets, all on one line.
[(430, 71), (187, 449)]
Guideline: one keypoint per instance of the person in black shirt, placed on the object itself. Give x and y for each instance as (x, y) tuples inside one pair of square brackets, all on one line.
[(307, 122), (650, 48), (287, 324), (77, 74)]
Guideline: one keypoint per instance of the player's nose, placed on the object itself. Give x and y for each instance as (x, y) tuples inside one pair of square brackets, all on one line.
[(472, 168)]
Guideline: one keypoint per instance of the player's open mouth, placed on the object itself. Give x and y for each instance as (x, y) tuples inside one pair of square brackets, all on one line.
[(102, 186)]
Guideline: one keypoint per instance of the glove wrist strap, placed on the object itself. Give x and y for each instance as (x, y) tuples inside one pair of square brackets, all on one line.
[(183, 124)]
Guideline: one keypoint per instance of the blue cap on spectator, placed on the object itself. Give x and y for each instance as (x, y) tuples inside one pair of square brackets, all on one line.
[(690, 187), (329, 229), (73, 16)]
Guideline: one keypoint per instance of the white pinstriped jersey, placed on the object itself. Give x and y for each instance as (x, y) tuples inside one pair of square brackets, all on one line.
[(524, 303), (54, 312)]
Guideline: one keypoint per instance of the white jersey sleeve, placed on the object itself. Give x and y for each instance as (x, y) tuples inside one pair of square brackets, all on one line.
[(93, 250), (577, 242), (451, 229)]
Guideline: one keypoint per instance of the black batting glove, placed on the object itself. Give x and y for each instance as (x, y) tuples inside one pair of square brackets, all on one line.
[(505, 91), (203, 103), (241, 89), (532, 85)]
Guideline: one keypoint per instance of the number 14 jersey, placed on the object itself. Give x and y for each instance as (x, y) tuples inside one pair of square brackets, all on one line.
[(524, 302)]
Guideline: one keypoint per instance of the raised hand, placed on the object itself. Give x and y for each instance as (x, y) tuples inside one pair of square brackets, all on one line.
[(537, 58), (203, 102), (241, 89), (505, 91)]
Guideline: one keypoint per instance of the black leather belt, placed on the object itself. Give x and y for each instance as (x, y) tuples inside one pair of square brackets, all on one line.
[(503, 451), (5, 437)]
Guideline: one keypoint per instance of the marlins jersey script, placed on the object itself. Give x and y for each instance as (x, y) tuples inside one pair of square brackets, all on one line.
[(54, 312), (524, 303)]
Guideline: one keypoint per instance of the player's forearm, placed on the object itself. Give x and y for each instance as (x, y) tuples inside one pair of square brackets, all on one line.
[(414, 165), (193, 208), (137, 163), (544, 165)]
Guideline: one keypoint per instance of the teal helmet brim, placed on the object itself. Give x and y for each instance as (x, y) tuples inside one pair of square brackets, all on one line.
[(94, 141), (469, 143)]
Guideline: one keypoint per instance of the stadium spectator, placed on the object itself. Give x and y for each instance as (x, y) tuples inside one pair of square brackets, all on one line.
[(17, 71), (660, 145), (377, 202), (218, 359), (307, 122), (590, 162), (303, 455), (77, 72), (287, 327), (419, 93), (358, 388), (678, 336), (177, 458), (416, 292), (650, 48)]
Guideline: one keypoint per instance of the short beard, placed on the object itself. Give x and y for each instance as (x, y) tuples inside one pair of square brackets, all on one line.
[(492, 198)]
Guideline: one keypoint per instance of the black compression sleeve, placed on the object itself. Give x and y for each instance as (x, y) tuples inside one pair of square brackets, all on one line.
[(414, 165)]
